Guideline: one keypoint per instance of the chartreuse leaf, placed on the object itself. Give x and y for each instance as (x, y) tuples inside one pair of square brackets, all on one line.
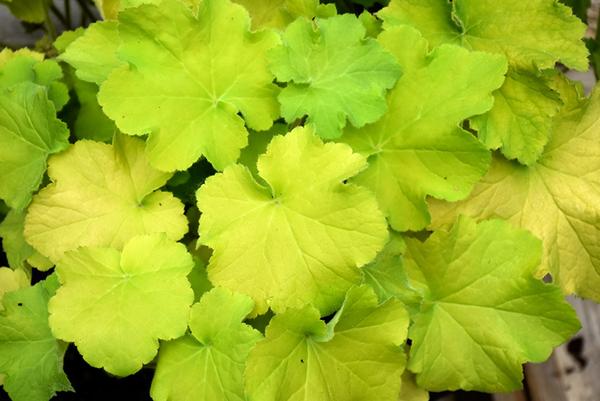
[(284, 233), (333, 72), (410, 391), (91, 122), (101, 195), (15, 247), (94, 54), (29, 66), (386, 275), (30, 357), (358, 355), (29, 133), (481, 305), (557, 199), (189, 77), (417, 148), (11, 280), (115, 306), (279, 14), (209, 363), (512, 27), (520, 122)]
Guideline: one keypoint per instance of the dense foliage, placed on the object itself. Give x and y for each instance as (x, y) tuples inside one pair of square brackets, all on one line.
[(284, 200)]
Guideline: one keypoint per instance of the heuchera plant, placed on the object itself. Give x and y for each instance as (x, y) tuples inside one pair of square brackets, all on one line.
[(276, 201)]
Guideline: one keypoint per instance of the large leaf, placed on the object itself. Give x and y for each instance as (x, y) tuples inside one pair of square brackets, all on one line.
[(188, 78), (418, 148), (333, 74), (208, 364), (101, 195), (29, 133), (483, 312), (519, 123), (301, 238), (116, 305), (557, 199), (356, 356)]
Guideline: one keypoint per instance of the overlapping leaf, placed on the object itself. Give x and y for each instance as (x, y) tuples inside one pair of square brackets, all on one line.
[(116, 305), (519, 122), (29, 133), (333, 73), (101, 195), (279, 14), (356, 356), (29, 66), (209, 363), (94, 54), (30, 356), (481, 305), (557, 199), (301, 238), (188, 78), (418, 148)]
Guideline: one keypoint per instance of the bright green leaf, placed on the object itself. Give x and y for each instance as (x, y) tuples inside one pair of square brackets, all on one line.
[(29, 133), (115, 306), (188, 78), (481, 306), (101, 195), (521, 120), (333, 72), (557, 199), (356, 356), (417, 148), (94, 54), (209, 364), (298, 240), (30, 356), (21, 67)]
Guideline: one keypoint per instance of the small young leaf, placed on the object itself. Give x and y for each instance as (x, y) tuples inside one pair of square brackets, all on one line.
[(333, 72)]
